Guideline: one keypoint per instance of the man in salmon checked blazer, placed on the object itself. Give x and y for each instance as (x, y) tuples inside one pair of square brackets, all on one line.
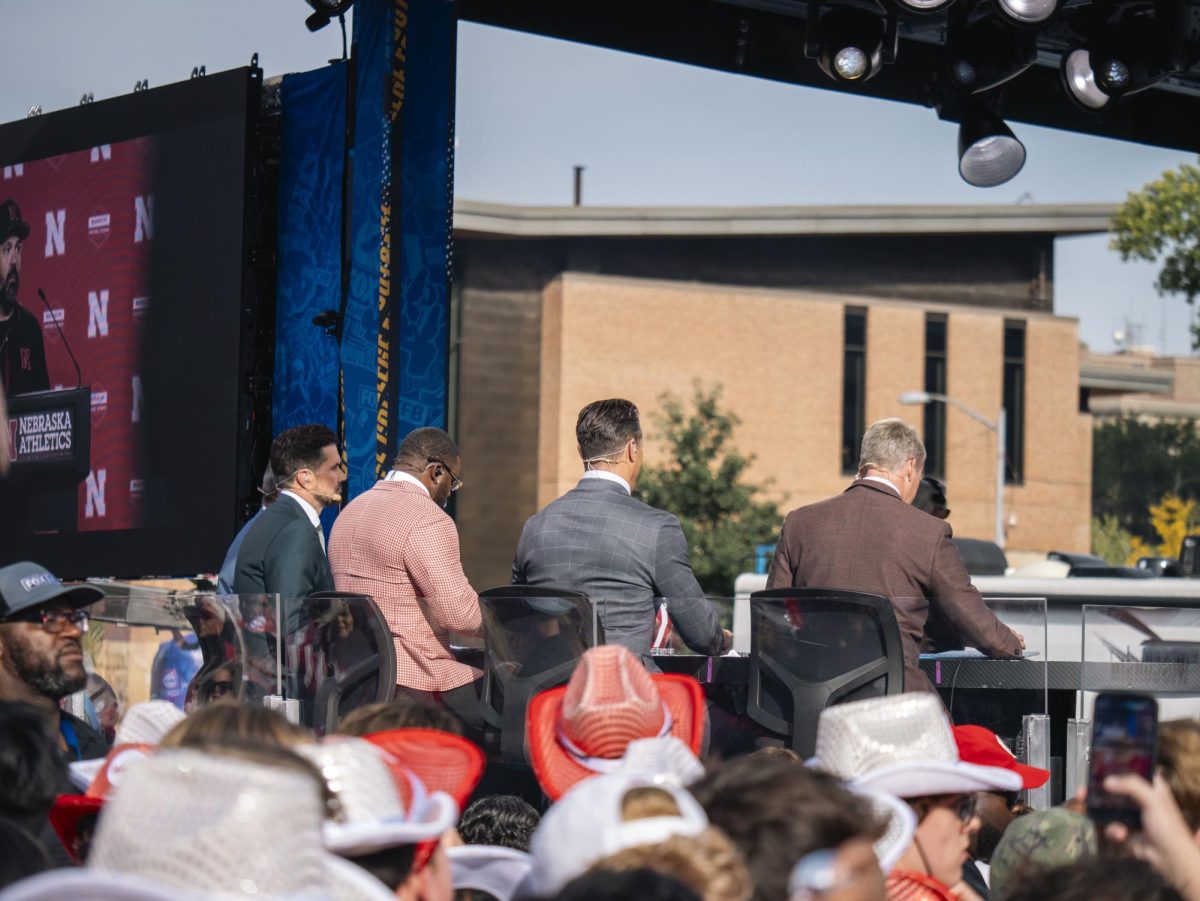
[(396, 543)]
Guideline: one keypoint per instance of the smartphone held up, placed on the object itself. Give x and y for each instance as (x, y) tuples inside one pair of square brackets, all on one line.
[(1124, 740)]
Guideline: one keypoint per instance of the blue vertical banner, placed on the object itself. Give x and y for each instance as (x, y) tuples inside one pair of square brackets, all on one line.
[(309, 267), (370, 239), (396, 325), (424, 184)]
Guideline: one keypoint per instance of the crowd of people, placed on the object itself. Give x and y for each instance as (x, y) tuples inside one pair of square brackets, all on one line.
[(227, 798), (233, 800)]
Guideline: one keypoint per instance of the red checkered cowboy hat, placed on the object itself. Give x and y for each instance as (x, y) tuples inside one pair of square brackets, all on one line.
[(582, 728)]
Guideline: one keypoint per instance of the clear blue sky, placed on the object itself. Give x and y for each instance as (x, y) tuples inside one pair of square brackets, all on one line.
[(649, 132)]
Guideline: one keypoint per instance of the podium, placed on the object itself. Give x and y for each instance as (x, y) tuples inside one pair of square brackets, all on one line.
[(50, 452)]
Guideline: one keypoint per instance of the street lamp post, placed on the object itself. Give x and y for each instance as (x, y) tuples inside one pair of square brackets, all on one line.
[(999, 426)]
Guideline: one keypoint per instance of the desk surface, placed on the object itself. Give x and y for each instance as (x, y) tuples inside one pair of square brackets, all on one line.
[(1015, 675)]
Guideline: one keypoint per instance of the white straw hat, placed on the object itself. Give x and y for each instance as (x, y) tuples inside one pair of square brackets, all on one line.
[(489, 868), (901, 745), (900, 822), (146, 723), (664, 759), (381, 804), (221, 826), (585, 825)]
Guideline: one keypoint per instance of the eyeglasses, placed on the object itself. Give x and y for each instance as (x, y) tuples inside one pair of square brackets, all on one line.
[(213, 690), (455, 481), (963, 805), (55, 619)]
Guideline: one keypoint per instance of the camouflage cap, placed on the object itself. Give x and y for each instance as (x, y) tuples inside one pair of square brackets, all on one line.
[(1039, 840)]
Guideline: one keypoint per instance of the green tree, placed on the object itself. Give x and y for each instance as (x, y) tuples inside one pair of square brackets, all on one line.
[(1135, 463), (1110, 541), (703, 484), (1162, 221)]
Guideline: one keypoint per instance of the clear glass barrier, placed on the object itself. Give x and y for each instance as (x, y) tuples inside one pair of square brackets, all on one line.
[(338, 653), (530, 634), (1153, 650), (145, 644)]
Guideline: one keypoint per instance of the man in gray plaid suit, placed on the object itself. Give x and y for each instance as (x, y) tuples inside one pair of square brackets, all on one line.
[(599, 539)]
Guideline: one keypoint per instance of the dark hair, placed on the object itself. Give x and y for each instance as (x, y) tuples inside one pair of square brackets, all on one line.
[(776, 811), (399, 713), (604, 426), (931, 497), (1093, 879), (299, 448), (31, 770), (645, 885), (21, 855), (503, 820), (390, 866), (423, 446)]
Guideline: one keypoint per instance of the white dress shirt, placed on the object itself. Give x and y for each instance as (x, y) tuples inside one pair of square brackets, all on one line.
[(313, 516), (395, 475), (608, 476)]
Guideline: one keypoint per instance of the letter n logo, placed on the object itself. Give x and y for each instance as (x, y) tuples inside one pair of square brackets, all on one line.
[(56, 244), (98, 313), (143, 215), (95, 505)]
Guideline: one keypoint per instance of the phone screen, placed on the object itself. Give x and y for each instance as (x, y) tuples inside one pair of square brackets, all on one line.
[(1124, 740)]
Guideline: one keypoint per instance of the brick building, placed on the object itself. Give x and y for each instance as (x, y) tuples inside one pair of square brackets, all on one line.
[(814, 321)]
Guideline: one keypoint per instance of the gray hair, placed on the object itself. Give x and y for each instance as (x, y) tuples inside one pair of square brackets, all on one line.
[(888, 444)]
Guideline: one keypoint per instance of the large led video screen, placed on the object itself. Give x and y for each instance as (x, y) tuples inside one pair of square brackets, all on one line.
[(124, 290)]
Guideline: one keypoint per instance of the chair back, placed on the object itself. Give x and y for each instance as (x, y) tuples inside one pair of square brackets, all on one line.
[(533, 639), (811, 648)]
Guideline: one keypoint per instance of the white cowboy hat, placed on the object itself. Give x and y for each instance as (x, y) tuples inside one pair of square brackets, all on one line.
[(381, 804), (586, 824), (221, 827), (488, 868), (901, 745)]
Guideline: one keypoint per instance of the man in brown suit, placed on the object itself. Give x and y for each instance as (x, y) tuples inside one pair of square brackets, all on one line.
[(870, 539)]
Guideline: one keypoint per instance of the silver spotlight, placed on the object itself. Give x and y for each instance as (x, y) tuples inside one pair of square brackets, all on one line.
[(989, 154), (1027, 12)]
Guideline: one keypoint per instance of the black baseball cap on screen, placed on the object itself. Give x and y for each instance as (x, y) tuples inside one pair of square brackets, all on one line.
[(26, 585), (11, 222)]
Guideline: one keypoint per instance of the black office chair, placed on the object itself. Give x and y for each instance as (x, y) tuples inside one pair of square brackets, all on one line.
[(361, 664), (811, 648), (533, 639)]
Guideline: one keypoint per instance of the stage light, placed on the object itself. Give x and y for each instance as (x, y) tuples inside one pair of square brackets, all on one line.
[(1080, 80), (848, 42), (325, 11), (924, 6), (1126, 55), (1027, 12), (985, 53), (989, 154)]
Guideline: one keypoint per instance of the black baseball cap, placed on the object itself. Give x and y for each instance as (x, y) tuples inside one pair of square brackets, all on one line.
[(11, 222), (26, 585)]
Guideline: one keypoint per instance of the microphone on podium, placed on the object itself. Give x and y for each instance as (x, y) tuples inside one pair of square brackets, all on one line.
[(66, 344)]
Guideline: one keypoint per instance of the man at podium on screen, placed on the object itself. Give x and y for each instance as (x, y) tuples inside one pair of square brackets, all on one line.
[(22, 351)]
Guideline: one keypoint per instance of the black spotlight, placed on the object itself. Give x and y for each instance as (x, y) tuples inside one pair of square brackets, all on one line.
[(1126, 54), (850, 44), (989, 154), (985, 54), (922, 7), (325, 11)]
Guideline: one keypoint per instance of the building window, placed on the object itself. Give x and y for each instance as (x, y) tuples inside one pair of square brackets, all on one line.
[(935, 383), (854, 386), (1014, 400)]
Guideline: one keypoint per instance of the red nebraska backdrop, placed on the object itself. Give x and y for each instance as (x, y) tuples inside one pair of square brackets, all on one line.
[(91, 229)]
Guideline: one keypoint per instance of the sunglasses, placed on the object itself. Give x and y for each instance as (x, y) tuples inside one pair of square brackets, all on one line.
[(54, 619)]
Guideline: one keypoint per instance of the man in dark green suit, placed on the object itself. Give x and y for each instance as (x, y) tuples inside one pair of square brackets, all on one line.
[(284, 551)]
